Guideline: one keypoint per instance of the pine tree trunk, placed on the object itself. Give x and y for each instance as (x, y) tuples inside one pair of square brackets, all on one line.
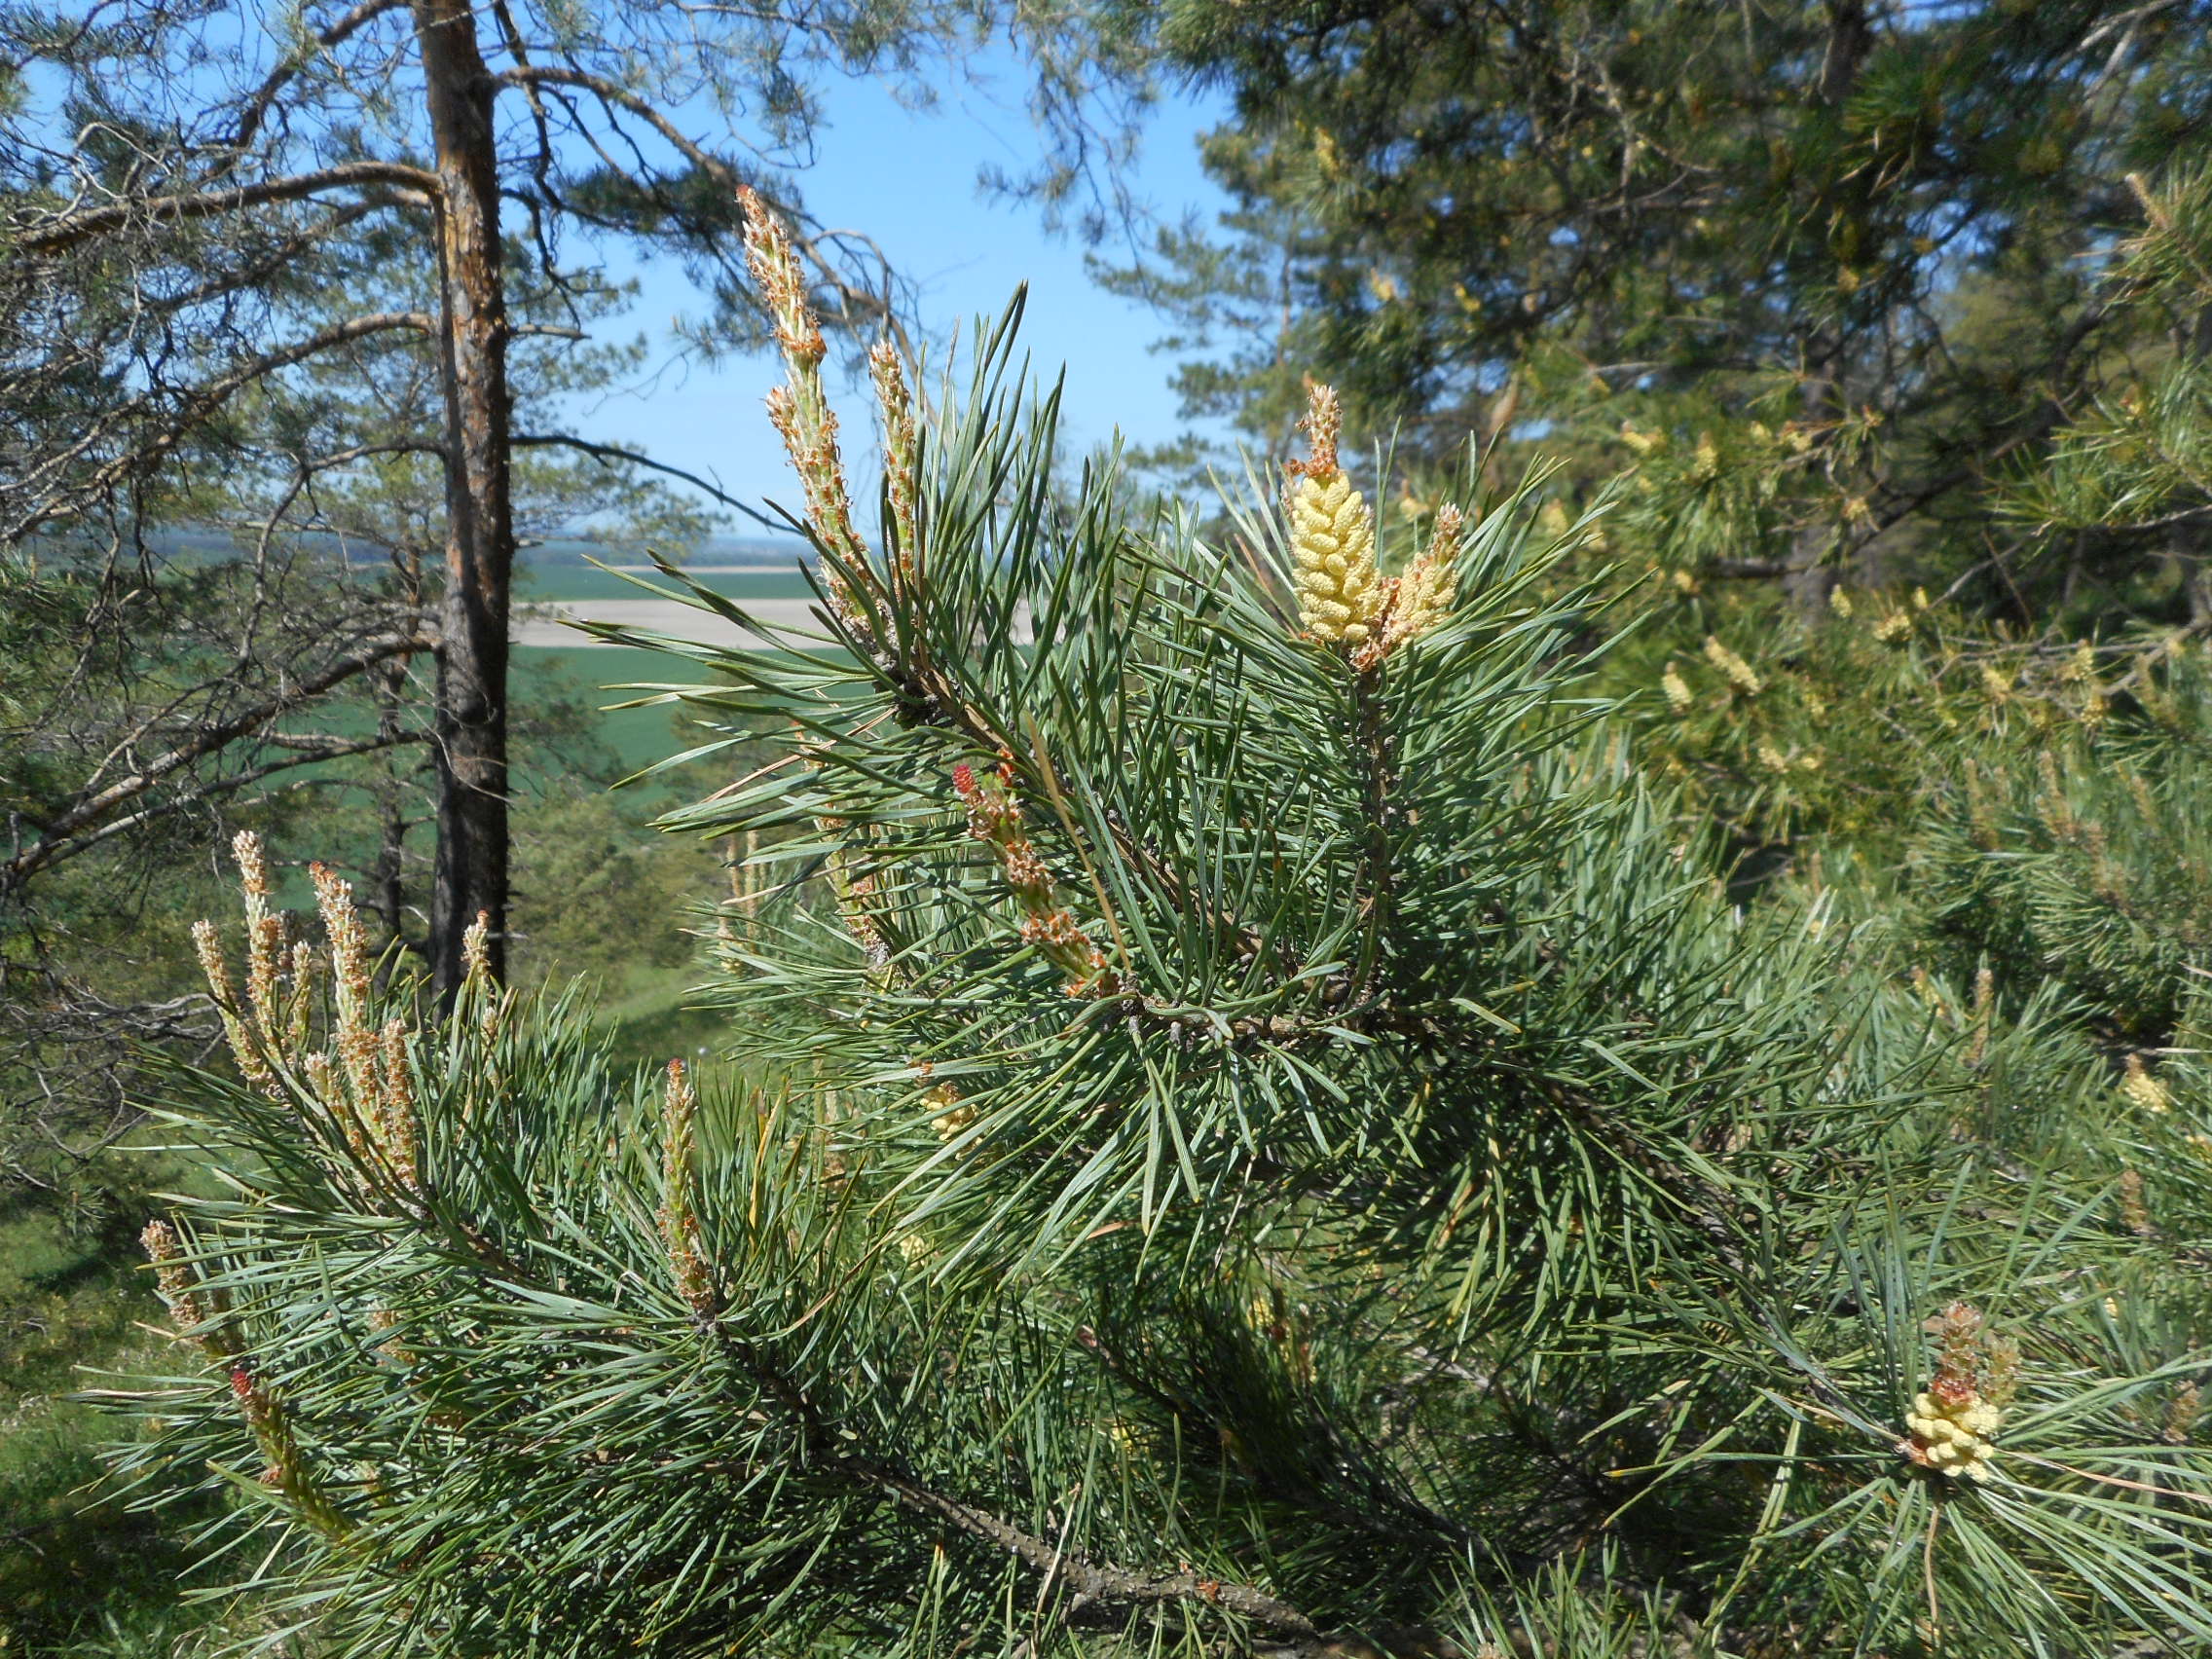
[(1820, 398), (472, 666), (387, 876)]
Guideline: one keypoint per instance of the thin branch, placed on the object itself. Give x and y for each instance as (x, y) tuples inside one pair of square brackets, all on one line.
[(258, 106), (194, 409), (1094, 1584), (65, 833), (615, 453), (70, 229), (613, 94), (334, 749)]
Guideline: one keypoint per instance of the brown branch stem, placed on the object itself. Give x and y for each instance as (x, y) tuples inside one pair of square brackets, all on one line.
[(66, 832), (1093, 1584), (67, 230)]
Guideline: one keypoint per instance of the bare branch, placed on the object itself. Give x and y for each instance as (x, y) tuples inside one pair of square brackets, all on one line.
[(851, 298), (65, 833), (69, 228), (614, 453), (311, 753), (194, 409), (258, 106)]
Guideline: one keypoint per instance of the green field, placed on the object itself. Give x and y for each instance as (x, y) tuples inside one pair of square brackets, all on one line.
[(643, 1002), (586, 675), (568, 584), (641, 736)]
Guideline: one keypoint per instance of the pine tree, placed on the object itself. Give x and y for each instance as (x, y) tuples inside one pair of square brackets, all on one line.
[(1825, 273), (1254, 1131)]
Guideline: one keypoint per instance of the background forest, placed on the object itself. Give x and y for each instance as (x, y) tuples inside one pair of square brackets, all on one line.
[(1577, 1027)]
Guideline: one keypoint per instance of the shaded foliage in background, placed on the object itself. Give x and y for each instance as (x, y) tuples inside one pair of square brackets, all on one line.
[(1844, 261)]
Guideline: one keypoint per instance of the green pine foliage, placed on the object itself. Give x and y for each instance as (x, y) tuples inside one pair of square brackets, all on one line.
[(1796, 729), (2089, 865), (1244, 1136), (2139, 460), (1848, 263)]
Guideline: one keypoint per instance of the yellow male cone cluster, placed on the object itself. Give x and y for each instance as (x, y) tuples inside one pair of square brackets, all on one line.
[(1733, 668), (1952, 1423), (1953, 1436), (1423, 594), (1342, 599), (1332, 535), (2142, 1089)]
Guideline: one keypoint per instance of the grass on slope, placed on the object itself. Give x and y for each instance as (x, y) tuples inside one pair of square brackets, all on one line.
[(641, 736)]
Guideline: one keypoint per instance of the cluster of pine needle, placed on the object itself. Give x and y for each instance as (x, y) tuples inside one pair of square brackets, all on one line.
[(1256, 1125)]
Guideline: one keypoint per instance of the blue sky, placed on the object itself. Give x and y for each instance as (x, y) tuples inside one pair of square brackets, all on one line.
[(908, 179)]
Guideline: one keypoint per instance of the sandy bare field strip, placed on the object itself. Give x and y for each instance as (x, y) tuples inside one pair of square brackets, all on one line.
[(711, 569), (542, 624)]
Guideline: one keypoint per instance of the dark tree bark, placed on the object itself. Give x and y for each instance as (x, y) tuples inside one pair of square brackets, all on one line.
[(1844, 209), (471, 876)]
